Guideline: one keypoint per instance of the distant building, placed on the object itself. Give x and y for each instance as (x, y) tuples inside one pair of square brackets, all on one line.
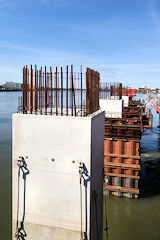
[(18, 86), (141, 90), (12, 86)]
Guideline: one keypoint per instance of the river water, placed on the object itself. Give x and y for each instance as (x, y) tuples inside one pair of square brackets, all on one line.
[(127, 219)]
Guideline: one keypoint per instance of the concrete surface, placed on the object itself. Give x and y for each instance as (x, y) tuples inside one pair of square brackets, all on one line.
[(53, 147), (126, 100), (113, 108)]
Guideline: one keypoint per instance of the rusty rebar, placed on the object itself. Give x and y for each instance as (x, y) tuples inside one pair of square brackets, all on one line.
[(81, 89), (67, 90), (23, 92), (51, 90), (87, 90), (25, 87), (58, 89), (56, 92), (74, 97), (48, 100), (41, 91), (35, 90), (72, 89), (61, 91), (31, 92), (45, 90), (28, 90), (120, 91)]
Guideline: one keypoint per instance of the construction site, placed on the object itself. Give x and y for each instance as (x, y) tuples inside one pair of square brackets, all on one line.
[(72, 131)]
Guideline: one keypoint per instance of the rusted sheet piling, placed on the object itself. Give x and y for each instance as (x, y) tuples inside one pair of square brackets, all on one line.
[(122, 143), (121, 166), (137, 110)]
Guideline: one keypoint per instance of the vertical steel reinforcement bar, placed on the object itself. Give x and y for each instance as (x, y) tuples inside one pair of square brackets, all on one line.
[(28, 91), (98, 90), (37, 83), (23, 89), (35, 90), (45, 91), (40, 90), (120, 91), (56, 93), (67, 90), (48, 100), (87, 91), (51, 90), (81, 90), (92, 91), (72, 89), (31, 92), (61, 91)]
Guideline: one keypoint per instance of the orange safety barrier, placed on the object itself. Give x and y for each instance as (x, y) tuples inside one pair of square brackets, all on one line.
[(129, 92)]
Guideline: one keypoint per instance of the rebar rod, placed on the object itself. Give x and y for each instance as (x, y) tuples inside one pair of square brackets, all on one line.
[(51, 90), (45, 90), (31, 92), (61, 91), (67, 90), (56, 93), (81, 89)]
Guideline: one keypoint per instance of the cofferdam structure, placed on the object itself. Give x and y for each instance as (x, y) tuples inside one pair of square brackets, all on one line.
[(125, 120)]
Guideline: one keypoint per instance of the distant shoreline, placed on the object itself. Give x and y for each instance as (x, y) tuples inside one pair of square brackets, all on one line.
[(139, 92), (10, 90)]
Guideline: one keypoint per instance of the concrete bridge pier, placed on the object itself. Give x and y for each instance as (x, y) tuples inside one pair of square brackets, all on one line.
[(57, 177)]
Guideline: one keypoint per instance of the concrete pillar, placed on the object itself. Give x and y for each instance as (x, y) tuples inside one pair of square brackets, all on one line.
[(52, 148), (126, 100), (113, 107)]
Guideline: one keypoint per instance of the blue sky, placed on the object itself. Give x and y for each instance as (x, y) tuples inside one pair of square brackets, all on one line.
[(119, 38)]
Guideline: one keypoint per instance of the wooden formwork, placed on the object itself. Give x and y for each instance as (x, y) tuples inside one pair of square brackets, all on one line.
[(121, 166)]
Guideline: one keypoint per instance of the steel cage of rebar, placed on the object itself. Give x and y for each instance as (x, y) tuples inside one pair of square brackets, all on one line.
[(115, 90), (112, 90), (61, 92)]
